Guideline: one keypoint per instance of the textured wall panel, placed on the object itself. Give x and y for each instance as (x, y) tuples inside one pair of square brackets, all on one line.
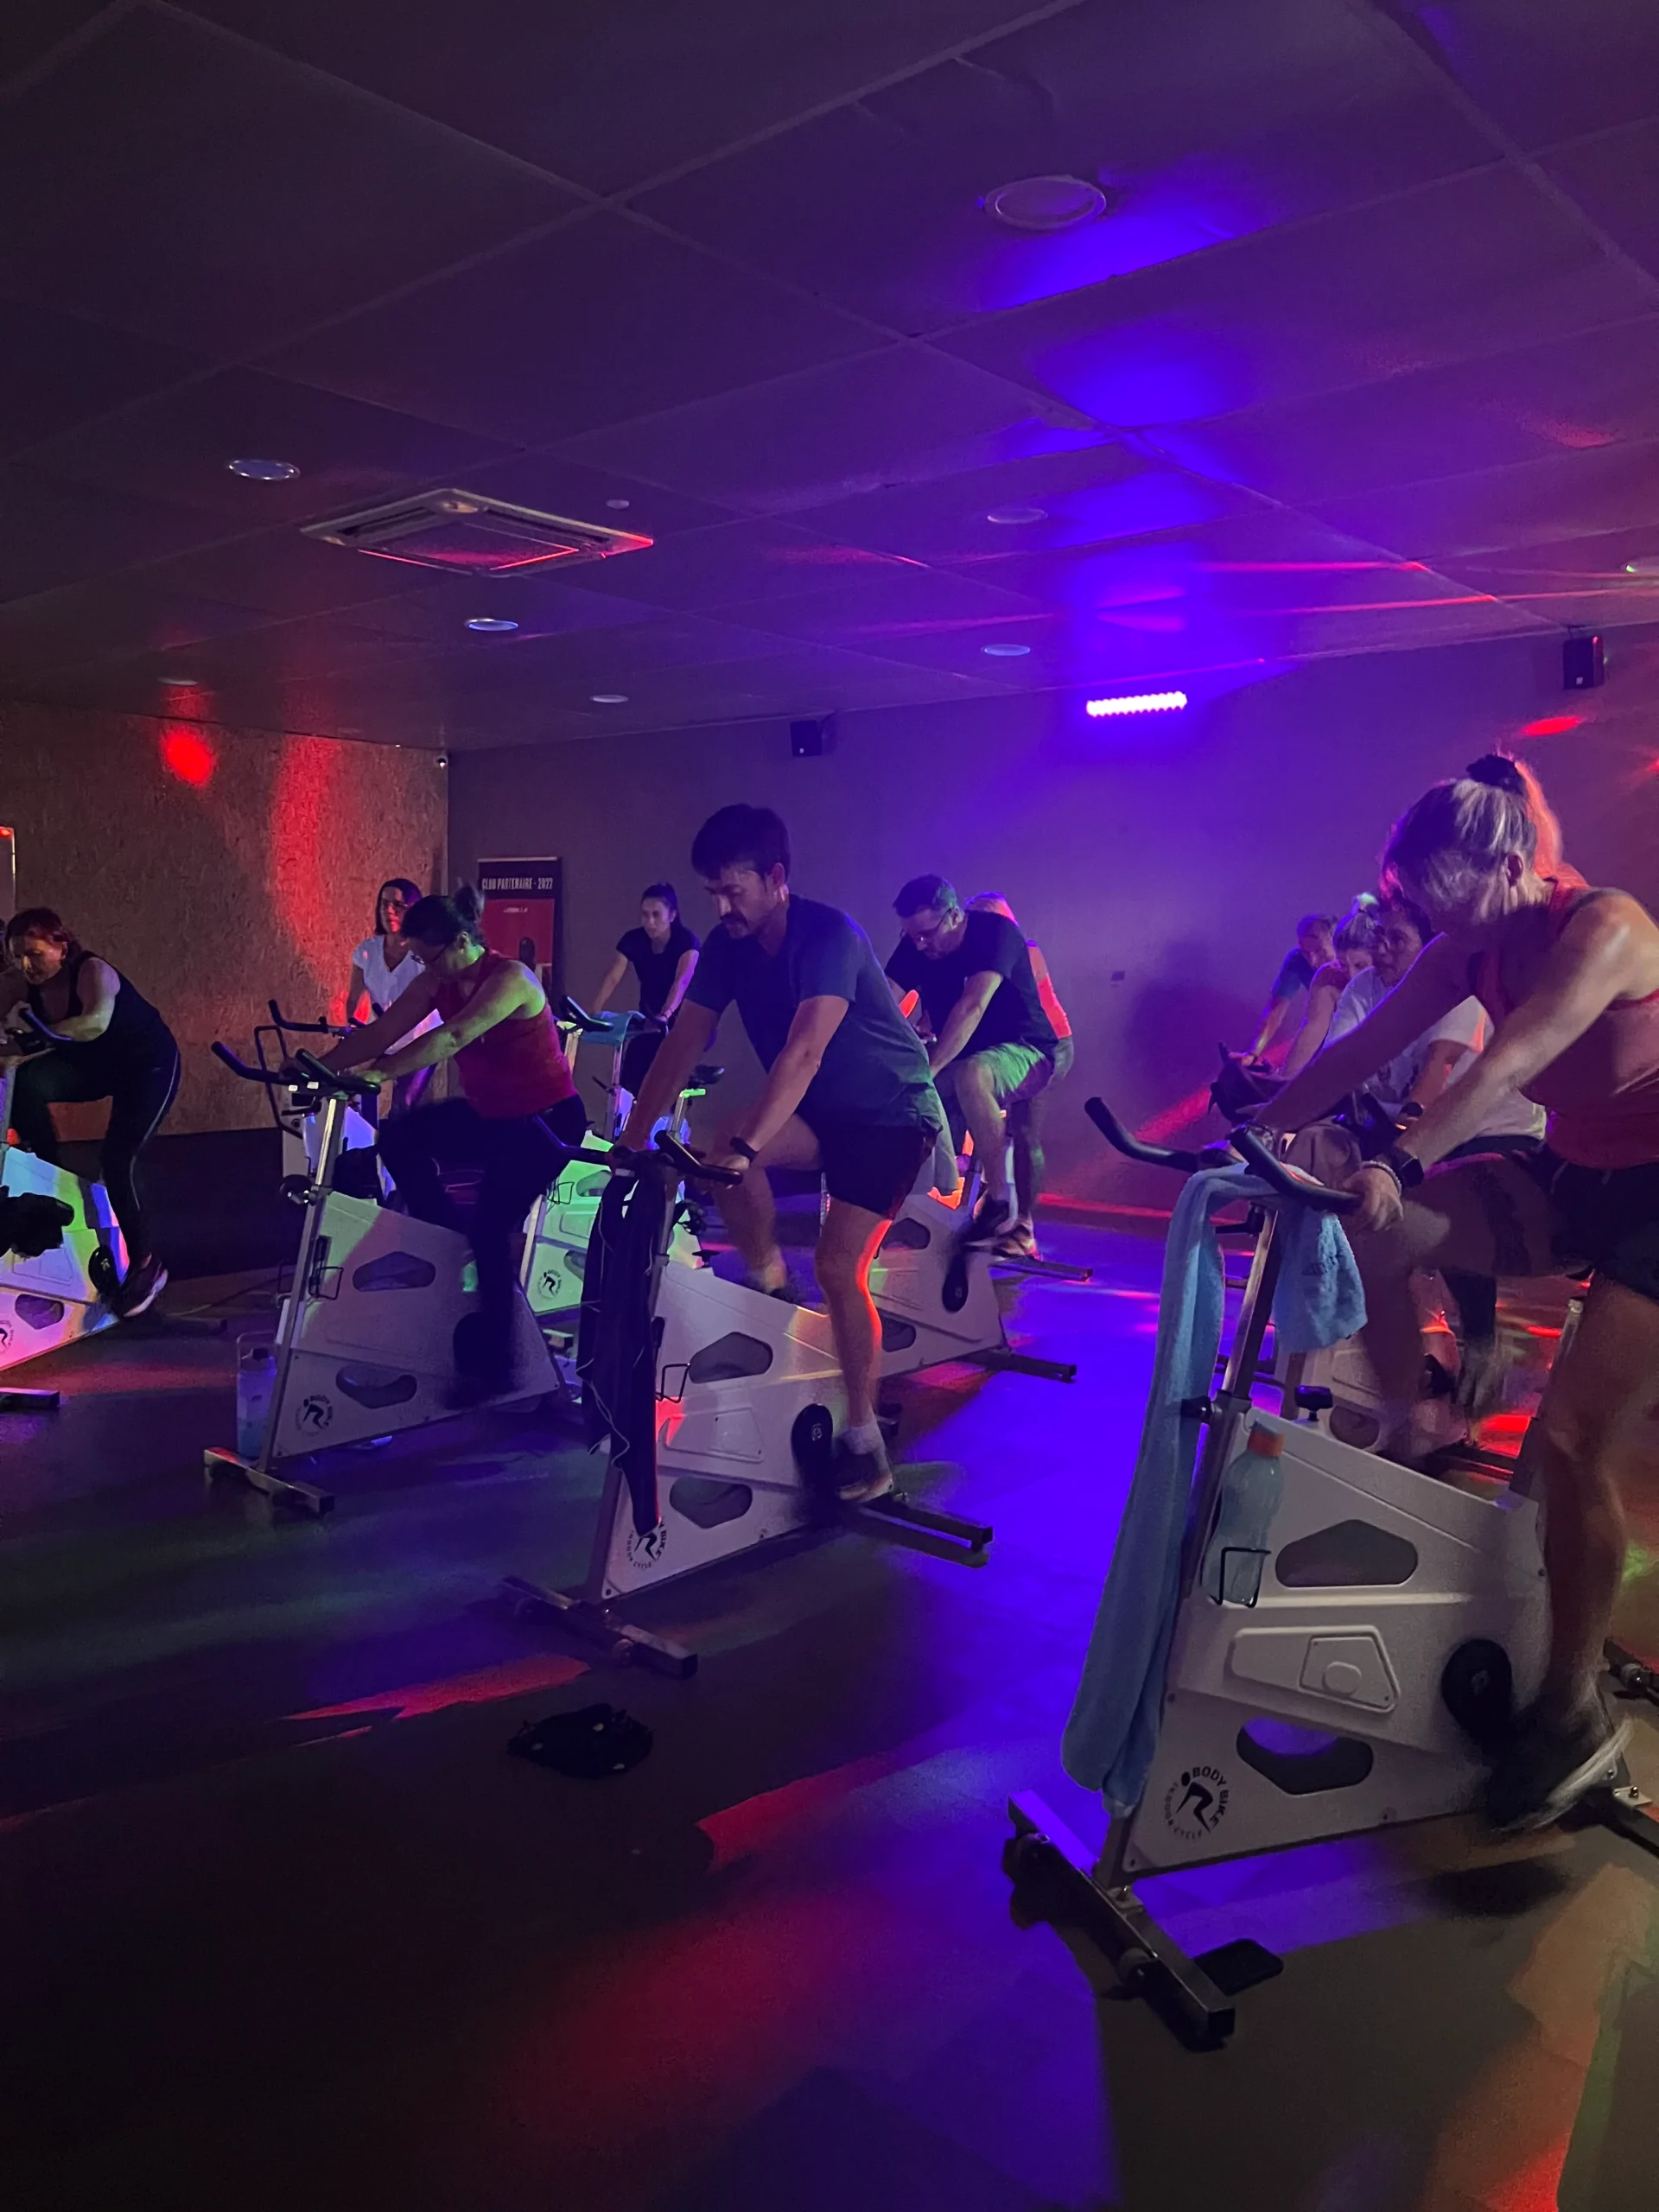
[(215, 867)]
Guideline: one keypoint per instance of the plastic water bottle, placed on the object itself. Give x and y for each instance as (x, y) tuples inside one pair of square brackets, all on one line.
[(256, 1381), (1250, 1499)]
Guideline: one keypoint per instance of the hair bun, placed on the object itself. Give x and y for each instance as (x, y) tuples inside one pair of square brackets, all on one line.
[(469, 904), (1497, 770)]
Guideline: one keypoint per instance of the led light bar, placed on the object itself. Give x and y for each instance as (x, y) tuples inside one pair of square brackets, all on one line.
[(1138, 702)]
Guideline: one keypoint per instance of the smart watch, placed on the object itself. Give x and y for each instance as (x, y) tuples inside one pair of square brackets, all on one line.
[(740, 1144), (1407, 1171)]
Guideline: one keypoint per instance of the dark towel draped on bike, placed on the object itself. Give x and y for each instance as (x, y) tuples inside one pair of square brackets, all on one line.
[(616, 1344)]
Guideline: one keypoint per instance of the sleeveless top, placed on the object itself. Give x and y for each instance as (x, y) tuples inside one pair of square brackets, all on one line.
[(1602, 1093), (514, 1068), (136, 1041)]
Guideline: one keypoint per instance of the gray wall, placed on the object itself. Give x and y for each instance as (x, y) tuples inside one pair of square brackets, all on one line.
[(1161, 862)]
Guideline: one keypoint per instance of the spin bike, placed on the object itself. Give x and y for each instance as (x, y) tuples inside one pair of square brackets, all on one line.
[(294, 1106), (557, 1233), (748, 1400), (1341, 1674), (377, 1323), (58, 1296)]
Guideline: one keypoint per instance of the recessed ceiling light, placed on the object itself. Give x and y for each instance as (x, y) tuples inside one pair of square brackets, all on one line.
[(619, 503), (1045, 203), (1645, 564), (1011, 517), (492, 625), (1005, 652), (609, 698), (264, 471)]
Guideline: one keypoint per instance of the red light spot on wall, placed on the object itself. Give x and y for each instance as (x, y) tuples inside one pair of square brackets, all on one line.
[(187, 755), (1553, 726)]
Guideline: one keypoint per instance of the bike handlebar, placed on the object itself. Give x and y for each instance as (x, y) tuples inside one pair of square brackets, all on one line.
[(688, 1165), (311, 1071), (1286, 1183), (52, 1036), (303, 1028)]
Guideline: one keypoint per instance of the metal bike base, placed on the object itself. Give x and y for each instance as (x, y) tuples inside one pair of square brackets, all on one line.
[(1044, 1854), (1005, 1361), (299, 1497), (966, 1539), (29, 1402), (619, 1643)]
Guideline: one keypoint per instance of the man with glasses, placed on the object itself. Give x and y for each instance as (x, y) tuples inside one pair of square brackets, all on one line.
[(993, 1044)]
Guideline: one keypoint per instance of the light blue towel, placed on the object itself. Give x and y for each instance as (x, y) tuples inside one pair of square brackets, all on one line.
[(1113, 1730)]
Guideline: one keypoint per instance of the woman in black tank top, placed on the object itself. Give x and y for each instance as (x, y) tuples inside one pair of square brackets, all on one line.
[(111, 1044)]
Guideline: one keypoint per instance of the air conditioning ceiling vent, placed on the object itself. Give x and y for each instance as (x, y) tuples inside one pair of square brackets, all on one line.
[(465, 533)]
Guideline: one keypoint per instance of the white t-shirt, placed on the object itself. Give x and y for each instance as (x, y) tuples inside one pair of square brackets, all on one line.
[(384, 984), (1512, 1115)]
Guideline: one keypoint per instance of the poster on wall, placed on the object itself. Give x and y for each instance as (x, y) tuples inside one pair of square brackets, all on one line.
[(522, 900)]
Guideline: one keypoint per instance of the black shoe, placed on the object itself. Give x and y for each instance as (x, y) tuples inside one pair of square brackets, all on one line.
[(1547, 1765), (138, 1289), (992, 1216)]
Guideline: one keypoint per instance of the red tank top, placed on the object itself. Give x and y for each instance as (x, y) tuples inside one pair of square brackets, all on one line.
[(1602, 1093), (514, 1068)]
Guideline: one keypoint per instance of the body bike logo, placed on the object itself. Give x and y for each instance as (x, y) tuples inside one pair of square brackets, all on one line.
[(1195, 1803), (5, 1334), (647, 1551), (316, 1412)]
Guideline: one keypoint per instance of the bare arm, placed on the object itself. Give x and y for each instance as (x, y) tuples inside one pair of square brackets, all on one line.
[(963, 1019), (356, 991), (609, 981), (1607, 951), (97, 984), (365, 1047), (1436, 1073), (1322, 993), (512, 990), (815, 1022), (1424, 996), (1272, 1025), (680, 1050), (684, 971)]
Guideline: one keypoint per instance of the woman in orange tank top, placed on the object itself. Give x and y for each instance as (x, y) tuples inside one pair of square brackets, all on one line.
[(520, 1119), (1570, 977)]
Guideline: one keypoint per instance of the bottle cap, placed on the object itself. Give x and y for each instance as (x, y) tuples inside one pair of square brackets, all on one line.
[(1266, 1441)]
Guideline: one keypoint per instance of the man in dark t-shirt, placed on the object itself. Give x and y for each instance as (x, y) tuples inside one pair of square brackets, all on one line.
[(993, 1044), (663, 954), (847, 1090), (1296, 971)]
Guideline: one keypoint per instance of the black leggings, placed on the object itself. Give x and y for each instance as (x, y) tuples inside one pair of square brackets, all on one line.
[(521, 1160), (139, 1099)]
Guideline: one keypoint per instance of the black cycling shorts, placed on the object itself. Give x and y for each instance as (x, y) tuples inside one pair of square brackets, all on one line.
[(868, 1166), (1605, 1218)]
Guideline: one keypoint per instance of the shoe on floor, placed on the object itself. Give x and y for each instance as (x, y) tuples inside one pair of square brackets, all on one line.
[(1547, 1765), (138, 1289), (861, 1477), (1017, 1243)]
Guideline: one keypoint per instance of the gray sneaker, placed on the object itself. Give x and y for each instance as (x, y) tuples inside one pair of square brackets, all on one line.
[(1547, 1765)]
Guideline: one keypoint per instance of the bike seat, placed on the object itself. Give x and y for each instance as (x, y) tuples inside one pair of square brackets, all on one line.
[(704, 1077)]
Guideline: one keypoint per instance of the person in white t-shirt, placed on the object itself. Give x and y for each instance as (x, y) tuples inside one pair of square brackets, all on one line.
[(382, 967)]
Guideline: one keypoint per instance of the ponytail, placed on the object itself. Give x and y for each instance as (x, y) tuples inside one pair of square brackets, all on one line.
[(445, 921)]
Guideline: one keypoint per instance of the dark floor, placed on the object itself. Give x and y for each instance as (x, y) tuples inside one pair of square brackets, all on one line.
[(283, 1925)]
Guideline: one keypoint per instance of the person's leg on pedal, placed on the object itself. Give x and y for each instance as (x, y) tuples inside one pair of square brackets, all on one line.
[(417, 1146), (984, 1085), (523, 1159), (138, 1110), (1025, 1117), (42, 1082), (750, 1212)]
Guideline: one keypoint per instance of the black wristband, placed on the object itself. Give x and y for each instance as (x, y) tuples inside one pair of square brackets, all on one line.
[(1407, 1170), (741, 1144)]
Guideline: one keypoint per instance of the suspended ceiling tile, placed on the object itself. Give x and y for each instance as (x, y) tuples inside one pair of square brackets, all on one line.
[(1469, 267), (56, 533), (565, 487), (611, 95), (541, 605), (1567, 495), (187, 185), (280, 573), (1616, 180), (901, 416), (1593, 389), (733, 563), (56, 371), (903, 613), (1545, 72), (600, 321), (113, 618), (179, 447), (29, 29), (1579, 580), (1283, 111), (1045, 501)]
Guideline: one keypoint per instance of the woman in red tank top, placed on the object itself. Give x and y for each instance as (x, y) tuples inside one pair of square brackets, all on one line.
[(520, 1119), (1571, 978)]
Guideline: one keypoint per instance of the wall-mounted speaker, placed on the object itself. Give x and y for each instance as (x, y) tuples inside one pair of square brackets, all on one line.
[(810, 741), (1583, 663)]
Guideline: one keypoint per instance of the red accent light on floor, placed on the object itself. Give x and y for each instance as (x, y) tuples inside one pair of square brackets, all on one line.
[(188, 755), (1553, 726)]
